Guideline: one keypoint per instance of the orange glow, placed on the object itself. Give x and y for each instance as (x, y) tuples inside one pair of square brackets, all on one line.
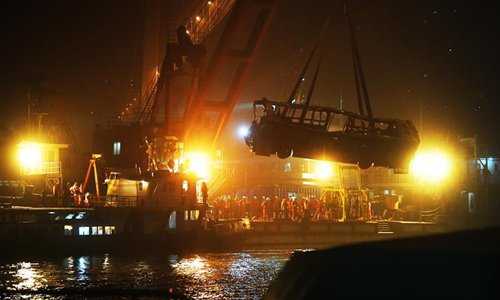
[(323, 170), (29, 155), (431, 166), (199, 164)]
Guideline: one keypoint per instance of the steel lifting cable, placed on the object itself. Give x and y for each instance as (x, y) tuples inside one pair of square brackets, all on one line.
[(313, 83), (302, 74), (359, 77)]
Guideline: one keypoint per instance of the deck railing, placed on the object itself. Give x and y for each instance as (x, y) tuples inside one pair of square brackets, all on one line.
[(108, 201), (44, 168)]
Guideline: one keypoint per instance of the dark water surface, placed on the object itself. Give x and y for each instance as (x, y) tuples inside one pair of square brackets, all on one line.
[(242, 275)]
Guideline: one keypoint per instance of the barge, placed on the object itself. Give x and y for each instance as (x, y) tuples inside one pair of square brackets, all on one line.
[(169, 215)]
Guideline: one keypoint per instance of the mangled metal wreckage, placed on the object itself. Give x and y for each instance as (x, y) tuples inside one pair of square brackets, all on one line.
[(317, 132), (327, 133)]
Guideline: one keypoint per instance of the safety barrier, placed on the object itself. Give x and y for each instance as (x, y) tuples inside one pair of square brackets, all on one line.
[(430, 215), (109, 201)]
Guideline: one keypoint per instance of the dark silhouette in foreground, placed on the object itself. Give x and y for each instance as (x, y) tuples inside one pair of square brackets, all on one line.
[(460, 265)]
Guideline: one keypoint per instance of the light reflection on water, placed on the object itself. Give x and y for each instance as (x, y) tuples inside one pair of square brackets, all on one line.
[(83, 265), (243, 275), (28, 277)]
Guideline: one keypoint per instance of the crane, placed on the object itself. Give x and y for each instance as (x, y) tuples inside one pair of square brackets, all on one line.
[(188, 101)]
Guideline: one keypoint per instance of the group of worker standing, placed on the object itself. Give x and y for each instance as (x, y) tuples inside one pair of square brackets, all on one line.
[(267, 208)]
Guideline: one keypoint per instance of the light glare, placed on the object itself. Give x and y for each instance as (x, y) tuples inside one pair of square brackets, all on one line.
[(324, 170), (243, 131), (431, 167), (29, 155), (199, 164)]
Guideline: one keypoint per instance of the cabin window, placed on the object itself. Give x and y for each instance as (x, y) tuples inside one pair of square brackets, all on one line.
[(117, 148), (199, 192), (68, 230), (308, 117), (185, 185), (109, 230), (319, 118), (172, 220), (94, 230), (100, 230), (471, 201), (69, 216), (84, 230), (194, 214), (296, 115), (80, 215), (280, 110), (186, 215), (337, 122)]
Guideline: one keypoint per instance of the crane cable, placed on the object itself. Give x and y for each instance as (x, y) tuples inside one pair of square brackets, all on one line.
[(313, 83), (302, 74), (359, 77)]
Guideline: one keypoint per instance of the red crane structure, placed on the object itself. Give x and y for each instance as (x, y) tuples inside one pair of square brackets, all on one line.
[(187, 102), (184, 90)]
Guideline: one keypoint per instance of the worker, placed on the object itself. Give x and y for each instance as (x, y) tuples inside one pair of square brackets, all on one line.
[(266, 206), (276, 207), (86, 201), (151, 156), (204, 192), (67, 194), (254, 208), (284, 208), (185, 47), (293, 209), (75, 192)]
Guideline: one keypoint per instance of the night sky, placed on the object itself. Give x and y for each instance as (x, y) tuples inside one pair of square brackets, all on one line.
[(438, 58)]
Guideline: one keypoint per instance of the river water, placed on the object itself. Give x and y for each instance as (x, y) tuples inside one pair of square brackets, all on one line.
[(241, 275)]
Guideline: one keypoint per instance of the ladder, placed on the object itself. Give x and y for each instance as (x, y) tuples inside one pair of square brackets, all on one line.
[(145, 113), (384, 228)]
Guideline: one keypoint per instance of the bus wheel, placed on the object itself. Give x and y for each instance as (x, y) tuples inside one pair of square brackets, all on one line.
[(284, 153), (365, 164)]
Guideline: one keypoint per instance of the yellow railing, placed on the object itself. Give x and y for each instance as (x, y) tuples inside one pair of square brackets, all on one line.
[(43, 168)]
